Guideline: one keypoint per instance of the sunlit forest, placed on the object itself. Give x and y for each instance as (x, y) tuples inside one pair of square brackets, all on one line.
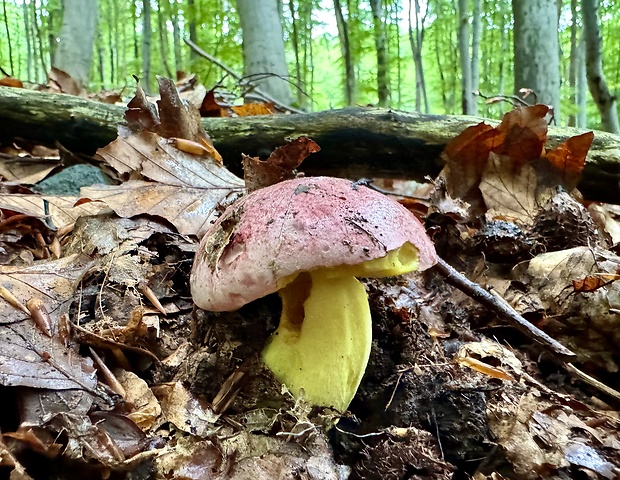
[(315, 52)]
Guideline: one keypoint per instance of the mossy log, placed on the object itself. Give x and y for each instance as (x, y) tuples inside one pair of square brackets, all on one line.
[(356, 142)]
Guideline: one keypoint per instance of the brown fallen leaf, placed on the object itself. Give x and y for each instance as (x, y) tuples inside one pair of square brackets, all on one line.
[(61, 210), (569, 158)]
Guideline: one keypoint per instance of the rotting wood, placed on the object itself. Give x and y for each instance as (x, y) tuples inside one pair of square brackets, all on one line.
[(356, 142)]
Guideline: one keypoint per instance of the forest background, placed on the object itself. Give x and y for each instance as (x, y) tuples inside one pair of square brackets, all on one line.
[(407, 54)]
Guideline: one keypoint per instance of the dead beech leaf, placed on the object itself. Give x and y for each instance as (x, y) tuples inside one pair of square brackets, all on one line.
[(279, 166), (465, 157), (594, 282), (27, 169), (28, 357), (253, 109), (63, 82), (190, 209), (522, 134), (185, 410), (510, 193), (569, 158), (61, 210)]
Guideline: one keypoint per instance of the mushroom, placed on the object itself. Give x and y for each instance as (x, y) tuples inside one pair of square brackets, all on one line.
[(308, 239)]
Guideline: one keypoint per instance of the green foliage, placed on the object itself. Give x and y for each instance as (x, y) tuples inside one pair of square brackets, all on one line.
[(313, 49)]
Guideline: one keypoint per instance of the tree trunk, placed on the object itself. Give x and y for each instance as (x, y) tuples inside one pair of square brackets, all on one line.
[(8, 37), (263, 47), (176, 36), (537, 51), (573, 65), (605, 101), (193, 34), (467, 100), (345, 49), (146, 45), (355, 142), (383, 82), (28, 35), (476, 34), (77, 35), (294, 20), (415, 40), (163, 38)]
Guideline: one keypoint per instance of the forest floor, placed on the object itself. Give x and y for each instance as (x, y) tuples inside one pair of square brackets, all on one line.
[(109, 370)]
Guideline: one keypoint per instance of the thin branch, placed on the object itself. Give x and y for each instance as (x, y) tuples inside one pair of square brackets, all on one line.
[(501, 308), (265, 97)]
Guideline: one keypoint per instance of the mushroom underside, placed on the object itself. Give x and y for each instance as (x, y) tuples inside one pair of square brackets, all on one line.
[(322, 345)]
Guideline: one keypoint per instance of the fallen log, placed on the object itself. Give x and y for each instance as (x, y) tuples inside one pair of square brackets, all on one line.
[(356, 142)]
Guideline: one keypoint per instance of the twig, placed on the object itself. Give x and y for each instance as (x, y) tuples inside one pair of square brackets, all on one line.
[(265, 96), (501, 308), (584, 377)]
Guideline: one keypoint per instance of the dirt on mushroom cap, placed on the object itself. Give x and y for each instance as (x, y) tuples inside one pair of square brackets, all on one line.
[(298, 225)]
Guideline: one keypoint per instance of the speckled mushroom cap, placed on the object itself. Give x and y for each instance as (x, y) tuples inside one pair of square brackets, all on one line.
[(294, 226)]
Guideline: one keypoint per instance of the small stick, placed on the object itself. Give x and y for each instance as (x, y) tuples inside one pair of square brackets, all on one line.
[(501, 308)]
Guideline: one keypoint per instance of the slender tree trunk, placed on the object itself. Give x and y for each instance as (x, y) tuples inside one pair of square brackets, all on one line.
[(112, 45), (396, 23), (536, 50), (476, 29), (77, 35), (176, 35), (345, 49), (573, 64), (101, 59), (37, 26), (27, 34), (300, 81), (193, 35), (163, 38), (466, 80), (383, 82), (263, 47), (605, 101), (416, 37), (8, 36), (582, 84), (146, 45)]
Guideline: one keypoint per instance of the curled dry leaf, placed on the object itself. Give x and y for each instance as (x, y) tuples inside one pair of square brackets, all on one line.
[(280, 165)]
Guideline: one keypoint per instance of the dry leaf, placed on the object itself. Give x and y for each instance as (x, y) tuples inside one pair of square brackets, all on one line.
[(523, 133), (61, 210), (465, 157), (279, 166), (190, 209), (185, 410), (569, 158), (512, 194)]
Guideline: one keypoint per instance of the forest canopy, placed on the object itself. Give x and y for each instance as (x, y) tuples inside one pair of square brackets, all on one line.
[(321, 37)]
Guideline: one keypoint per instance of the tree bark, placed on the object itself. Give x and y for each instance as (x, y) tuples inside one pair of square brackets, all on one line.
[(356, 142), (466, 95), (476, 34), (605, 101), (345, 49), (77, 35), (383, 82), (263, 47), (537, 51), (146, 45), (415, 41)]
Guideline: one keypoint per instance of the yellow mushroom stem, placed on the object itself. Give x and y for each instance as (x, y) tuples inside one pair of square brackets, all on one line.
[(322, 343)]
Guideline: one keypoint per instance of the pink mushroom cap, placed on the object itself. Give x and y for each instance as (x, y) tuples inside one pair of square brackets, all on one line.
[(294, 226)]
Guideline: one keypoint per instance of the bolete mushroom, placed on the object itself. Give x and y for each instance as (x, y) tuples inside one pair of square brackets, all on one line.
[(308, 239)]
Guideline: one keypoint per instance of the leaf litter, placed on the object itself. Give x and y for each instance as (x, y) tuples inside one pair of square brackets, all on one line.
[(448, 387)]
